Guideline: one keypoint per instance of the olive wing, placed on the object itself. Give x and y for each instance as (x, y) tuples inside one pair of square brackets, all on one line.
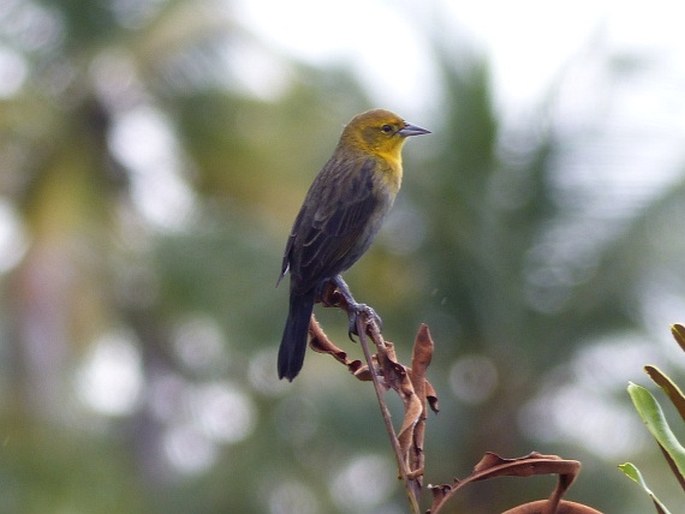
[(333, 222)]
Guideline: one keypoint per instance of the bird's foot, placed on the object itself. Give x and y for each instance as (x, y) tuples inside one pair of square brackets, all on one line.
[(359, 309), (354, 308)]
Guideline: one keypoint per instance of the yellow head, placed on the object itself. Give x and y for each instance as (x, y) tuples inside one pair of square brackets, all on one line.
[(379, 132)]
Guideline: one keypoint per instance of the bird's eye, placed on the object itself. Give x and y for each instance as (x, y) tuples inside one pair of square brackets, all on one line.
[(387, 129)]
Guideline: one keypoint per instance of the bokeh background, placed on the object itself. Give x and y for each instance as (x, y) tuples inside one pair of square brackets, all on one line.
[(153, 154)]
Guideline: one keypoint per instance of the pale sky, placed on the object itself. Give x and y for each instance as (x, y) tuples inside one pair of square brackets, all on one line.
[(527, 42)]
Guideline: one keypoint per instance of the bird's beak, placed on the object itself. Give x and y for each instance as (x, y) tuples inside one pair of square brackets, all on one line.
[(412, 130)]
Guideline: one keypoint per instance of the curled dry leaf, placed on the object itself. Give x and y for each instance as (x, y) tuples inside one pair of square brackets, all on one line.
[(421, 359), (432, 397), (319, 342), (423, 350), (678, 332), (542, 507), (493, 466)]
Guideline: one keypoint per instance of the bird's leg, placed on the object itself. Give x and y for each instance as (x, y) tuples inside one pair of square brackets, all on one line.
[(354, 308)]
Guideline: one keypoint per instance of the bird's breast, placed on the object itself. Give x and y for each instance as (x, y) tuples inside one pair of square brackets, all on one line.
[(389, 176)]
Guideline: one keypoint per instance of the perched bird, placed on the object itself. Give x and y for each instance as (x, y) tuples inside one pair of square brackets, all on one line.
[(340, 216)]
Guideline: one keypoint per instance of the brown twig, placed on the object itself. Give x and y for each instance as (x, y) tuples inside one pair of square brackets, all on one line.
[(386, 372), (380, 370), (409, 484)]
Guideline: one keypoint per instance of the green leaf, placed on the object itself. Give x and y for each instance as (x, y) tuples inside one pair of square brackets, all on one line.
[(670, 388), (652, 415), (631, 471)]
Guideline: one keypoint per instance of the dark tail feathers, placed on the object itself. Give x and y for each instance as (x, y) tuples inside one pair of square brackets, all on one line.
[(294, 342)]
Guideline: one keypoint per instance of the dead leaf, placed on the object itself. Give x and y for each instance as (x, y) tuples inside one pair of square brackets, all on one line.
[(493, 466), (542, 507), (320, 343), (678, 332)]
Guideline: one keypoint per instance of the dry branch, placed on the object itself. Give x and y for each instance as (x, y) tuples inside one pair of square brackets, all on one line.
[(417, 395)]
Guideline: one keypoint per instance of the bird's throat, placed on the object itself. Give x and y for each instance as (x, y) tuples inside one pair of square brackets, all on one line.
[(392, 171)]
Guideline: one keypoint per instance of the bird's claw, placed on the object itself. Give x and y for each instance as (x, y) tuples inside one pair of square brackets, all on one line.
[(357, 310), (354, 309)]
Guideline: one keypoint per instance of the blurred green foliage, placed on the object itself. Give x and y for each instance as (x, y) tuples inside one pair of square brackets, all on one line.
[(159, 247)]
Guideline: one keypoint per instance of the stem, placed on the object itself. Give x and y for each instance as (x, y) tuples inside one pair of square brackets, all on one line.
[(413, 502)]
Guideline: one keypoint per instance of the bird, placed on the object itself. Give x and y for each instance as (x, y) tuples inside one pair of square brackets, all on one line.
[(339, 218)]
